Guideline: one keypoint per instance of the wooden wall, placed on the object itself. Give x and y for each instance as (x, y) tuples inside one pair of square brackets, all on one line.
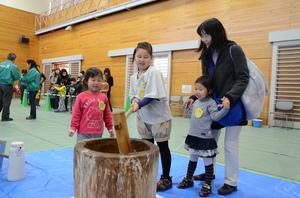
[(15, 23), (247, 22)]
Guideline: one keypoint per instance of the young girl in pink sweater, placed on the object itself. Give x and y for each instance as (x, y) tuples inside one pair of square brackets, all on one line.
[(91, 109)]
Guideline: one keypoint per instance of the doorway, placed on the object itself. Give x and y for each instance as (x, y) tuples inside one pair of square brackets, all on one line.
[(71, 63)]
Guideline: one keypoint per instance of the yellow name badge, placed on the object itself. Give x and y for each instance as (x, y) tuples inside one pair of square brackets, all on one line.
[(198, 113), (142, 93), (101, 105)]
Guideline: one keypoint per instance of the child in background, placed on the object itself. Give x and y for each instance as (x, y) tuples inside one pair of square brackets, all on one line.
[(79, 85), (16, 89), (72, 91), (91, 110), (53, 93), (62, 96), (22, 85), (149, 99), (105, 86), (37, 98), (199, 141)]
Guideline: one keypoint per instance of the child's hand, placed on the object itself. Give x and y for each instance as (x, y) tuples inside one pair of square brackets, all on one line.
[(111, 134), (135, 107), (188, 103), (226, 102), (135, 100), (71, 132)]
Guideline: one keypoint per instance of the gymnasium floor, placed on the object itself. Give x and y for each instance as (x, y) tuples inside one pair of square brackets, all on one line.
[(267, 151)]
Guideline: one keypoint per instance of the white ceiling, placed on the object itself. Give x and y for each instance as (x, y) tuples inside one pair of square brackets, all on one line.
[(35, 6)]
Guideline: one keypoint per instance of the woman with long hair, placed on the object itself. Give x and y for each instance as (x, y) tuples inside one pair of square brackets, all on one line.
[(110, 81), (230, 82), (32, 79)]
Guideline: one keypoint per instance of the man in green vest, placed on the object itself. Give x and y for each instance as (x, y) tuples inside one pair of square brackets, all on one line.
[(9, 73)]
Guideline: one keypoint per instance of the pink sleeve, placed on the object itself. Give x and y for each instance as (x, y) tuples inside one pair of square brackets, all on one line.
[(76, 114)]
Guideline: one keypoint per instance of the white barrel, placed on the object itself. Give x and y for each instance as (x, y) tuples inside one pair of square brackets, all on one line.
[(16, 162)]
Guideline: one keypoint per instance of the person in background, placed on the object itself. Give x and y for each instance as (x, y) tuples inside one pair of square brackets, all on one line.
[(9, 73), (16, 90), (72, 91), (79, 80), (37, 98), (149, 100), (53, 77), (53, 92), (230, 82), (81, 75), (57, 74), (42, 80), (32, 79), (110, 81), (79, 85), (105, 86), (64, 76), (200, 141), (22, 85), (62, 96), (91, 110), (43, 77)]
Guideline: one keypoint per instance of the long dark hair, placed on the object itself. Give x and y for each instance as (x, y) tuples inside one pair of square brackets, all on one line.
[(32, 64), (216, 30), (107, 70), (90, 73)]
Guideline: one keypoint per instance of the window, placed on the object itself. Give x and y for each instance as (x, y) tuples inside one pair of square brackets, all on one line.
[(286, 77), (71, 63)]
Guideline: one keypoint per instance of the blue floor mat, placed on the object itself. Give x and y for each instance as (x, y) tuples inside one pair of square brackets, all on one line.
[(50, 174)]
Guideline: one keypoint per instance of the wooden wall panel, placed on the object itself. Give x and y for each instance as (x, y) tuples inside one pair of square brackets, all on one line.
[(15, 23), (247, 22), (185, 69)]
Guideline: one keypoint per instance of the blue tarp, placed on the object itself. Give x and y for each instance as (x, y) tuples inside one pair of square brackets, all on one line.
[(50, 174)]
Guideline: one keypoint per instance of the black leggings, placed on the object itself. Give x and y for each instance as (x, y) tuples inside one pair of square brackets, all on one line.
[(165, 156)]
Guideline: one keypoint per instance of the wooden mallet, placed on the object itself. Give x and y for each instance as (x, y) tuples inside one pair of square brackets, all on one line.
[(121, 129), (3, 155)]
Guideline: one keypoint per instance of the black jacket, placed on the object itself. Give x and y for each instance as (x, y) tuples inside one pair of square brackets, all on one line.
[(231, 77)]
